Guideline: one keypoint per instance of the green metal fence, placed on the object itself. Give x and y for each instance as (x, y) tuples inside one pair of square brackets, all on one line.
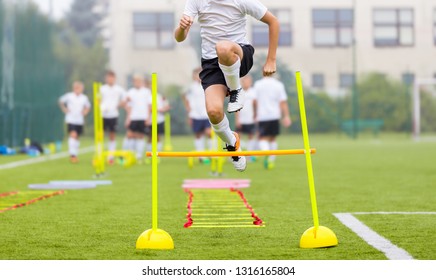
[(31, 77)]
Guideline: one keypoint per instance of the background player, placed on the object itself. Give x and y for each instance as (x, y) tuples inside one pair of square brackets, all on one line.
[(245, 119), (75, 106), (195, 104), (163, 107), (272, 105), (137, 102), (111, 99)]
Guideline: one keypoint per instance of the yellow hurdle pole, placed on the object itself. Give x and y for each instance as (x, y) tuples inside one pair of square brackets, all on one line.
[(96, 131), (154, 173), (307, 149), (231, 154), (101, 127), (168, 146)]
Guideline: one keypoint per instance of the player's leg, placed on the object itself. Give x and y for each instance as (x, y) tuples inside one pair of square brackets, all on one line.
[(230, 56), (160, 132), (73, 143), (208, 135), (198, 132), (215, 96)]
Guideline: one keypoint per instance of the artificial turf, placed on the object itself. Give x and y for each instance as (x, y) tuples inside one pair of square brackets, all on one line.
[(391, 173)]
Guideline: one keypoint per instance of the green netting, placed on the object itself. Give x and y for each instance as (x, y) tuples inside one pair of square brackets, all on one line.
[(31, 110)]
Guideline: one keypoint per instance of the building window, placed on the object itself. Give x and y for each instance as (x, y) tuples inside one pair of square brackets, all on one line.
[(393, 27), (318, 80), (260, 30), (153, 30), (332, 27), (408, 78), (346, 80)]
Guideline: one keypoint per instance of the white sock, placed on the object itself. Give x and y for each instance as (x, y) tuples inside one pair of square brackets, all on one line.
[(243, 145), (273, 146), (149, 147), (72, 146), (224, 132), (139, 147), (231, 74), (112, 145), (126, 144), (210, 144), (199, 144), (263, 145), (251, 146), (159, 146)]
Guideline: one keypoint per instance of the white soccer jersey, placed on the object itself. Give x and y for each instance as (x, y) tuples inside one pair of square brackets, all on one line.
[(161, 103), (269, 94), (197, 102), (139, 101), (246, 115), (111, 97), (223, 20), (76, 104)]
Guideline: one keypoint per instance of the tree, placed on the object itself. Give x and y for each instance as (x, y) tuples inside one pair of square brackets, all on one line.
[(383, 98), (83, 19)]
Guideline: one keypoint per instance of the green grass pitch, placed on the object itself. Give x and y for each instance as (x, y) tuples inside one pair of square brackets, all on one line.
[(388, 174)]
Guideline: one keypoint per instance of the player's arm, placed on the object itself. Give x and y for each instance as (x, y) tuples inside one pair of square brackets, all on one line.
[(287, 122), (183, 29), (63, 106), (255, 110), (274, 31), (86, 110)]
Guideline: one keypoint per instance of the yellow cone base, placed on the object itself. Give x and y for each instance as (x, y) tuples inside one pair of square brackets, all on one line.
[(155, 240), (321, 238)]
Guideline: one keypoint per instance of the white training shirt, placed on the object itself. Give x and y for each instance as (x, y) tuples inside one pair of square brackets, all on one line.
[(197, 102), (161, 103), (269, 94), (76, 104), (223, 20), (139, 101), (111, 97), (246, 115)]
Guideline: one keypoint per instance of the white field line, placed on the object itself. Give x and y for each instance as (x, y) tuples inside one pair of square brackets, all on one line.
[(391, 251), (394, 213), (41, 159)]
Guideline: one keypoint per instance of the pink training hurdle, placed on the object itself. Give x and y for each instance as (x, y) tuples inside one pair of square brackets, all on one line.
[(216, 184)]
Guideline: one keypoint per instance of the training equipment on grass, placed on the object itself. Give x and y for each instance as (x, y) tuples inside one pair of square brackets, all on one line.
[(13, 200), (216, 163), (216, 184), (95, 182), (219, 204), (77, 186), (315, 237), (168, 147), (99, 161)]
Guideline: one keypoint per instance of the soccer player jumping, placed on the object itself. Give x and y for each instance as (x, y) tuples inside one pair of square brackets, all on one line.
[(226, 56)]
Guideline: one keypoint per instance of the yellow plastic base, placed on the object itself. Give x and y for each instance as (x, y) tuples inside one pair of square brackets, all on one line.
[(321, 238), (155, 239)]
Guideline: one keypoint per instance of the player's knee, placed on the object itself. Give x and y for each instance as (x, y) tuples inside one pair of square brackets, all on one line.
[(215, 115), (224, 48)]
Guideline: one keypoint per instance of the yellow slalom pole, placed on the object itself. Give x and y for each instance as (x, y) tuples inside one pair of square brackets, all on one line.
[(307, 149), (154, 154), (101, 131), (154, 238), (96, 131), (317, 236), (168, 146)]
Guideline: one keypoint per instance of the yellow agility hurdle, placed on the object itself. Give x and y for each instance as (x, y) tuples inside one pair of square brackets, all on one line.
[(315, 237)]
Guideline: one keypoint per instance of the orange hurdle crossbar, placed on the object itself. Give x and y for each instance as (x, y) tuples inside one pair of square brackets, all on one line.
[(231, 154)]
